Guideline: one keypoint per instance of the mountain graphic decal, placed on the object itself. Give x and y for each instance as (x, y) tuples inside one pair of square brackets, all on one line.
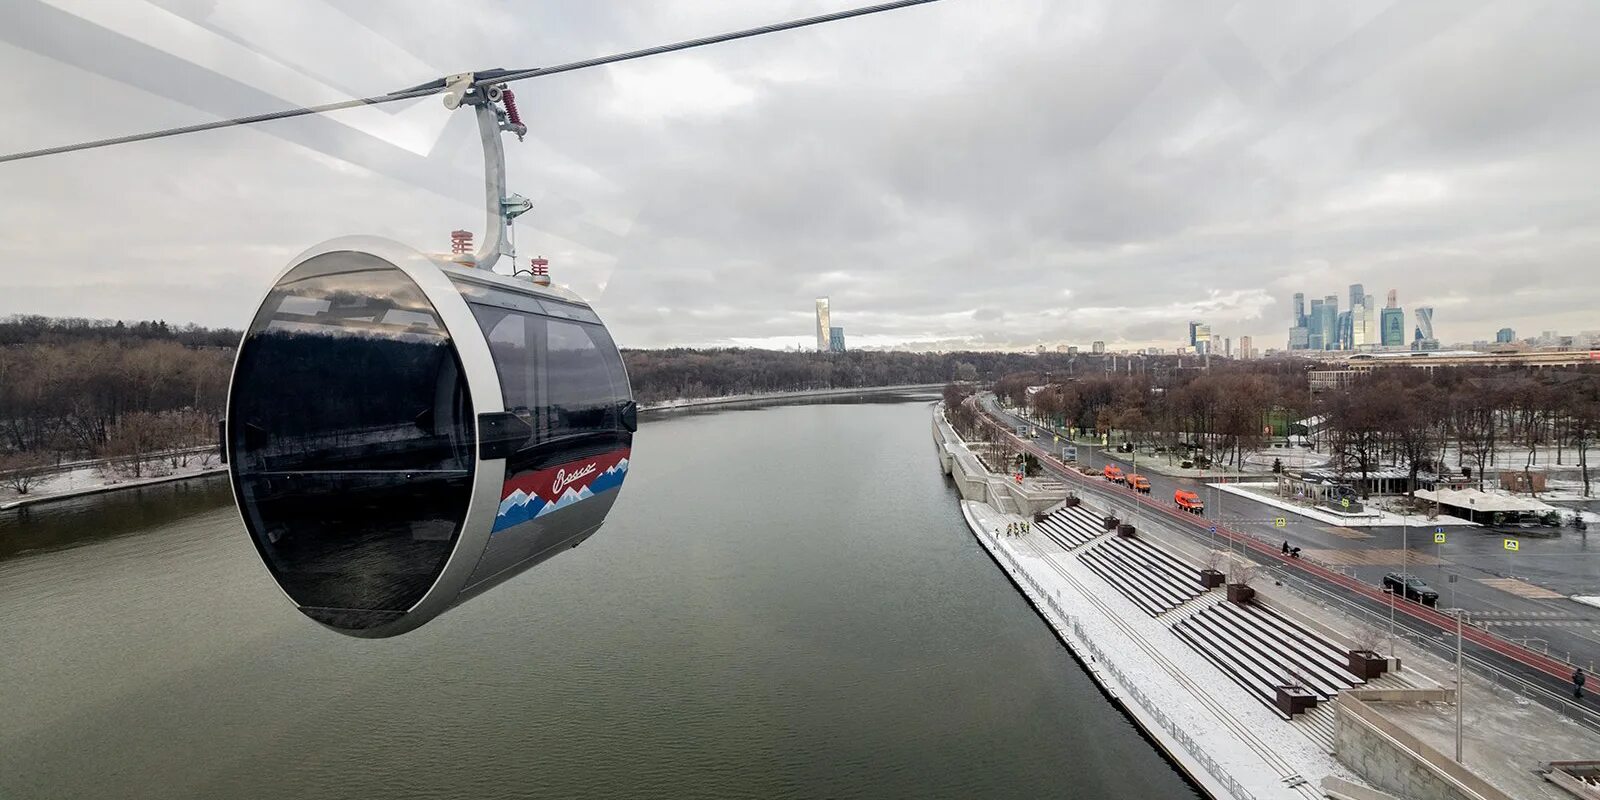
[(529, 495)]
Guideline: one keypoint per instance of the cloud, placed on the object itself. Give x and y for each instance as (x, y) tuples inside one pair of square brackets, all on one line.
[(999, 176)]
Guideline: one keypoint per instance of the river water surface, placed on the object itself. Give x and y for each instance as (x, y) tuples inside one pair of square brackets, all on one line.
[(785, 602)]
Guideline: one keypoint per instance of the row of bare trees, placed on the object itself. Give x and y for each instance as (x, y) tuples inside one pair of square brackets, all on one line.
[(134, 401), (1420, 420)]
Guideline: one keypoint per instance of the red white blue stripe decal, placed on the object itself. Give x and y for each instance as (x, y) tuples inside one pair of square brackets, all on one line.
[(530, 495)]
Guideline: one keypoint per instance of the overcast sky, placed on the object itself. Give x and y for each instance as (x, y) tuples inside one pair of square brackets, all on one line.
[(970, 174)]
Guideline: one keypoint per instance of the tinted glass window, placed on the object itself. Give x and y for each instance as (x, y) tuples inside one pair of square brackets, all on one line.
[(352, 438), (564, 378)]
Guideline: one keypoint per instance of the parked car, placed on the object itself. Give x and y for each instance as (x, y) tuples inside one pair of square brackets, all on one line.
[(1114, 474), (1189, 501), (1139, 483), (1411, 588)]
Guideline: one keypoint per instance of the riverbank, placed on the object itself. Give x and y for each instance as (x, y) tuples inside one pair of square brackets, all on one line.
[(89, 480)]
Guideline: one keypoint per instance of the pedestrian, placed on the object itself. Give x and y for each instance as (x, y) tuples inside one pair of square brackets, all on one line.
[(1578, 679), (1286, 547)]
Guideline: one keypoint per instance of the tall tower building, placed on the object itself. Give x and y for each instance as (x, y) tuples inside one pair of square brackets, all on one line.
[(1425, 322), (1247, 348), (1394, 301), (1369, 316), (822, 325), (1357, 295), (1299, 310)]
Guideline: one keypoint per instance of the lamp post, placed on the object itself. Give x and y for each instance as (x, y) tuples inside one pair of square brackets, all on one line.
[(1461, 683), (1390, 590)]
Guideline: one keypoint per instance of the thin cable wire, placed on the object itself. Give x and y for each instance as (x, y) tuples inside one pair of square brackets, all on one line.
[(539, 72), (485, 78)]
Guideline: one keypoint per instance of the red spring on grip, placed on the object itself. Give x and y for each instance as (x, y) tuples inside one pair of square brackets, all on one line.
[(511, 106)]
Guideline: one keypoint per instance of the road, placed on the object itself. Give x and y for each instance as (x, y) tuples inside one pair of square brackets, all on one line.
[(1532, 610)]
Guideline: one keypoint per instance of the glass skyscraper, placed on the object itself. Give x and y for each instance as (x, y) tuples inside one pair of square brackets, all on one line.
[(822, 325)]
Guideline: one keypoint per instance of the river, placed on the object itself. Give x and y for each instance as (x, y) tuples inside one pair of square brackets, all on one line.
[(785, 602)]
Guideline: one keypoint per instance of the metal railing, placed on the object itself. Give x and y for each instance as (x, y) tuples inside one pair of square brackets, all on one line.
[(1126, 686)]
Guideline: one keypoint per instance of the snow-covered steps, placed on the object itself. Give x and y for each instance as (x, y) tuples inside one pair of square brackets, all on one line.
[(1155, 581), (1260, 649), (1071, 527)]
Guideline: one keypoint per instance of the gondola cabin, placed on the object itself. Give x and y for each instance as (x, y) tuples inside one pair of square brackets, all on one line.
[(404, 431)]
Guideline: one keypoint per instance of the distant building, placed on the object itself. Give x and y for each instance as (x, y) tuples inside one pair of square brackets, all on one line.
[(1299, 310), (1227, 346), (1370, 336), (1424, 338), (1061, 348), (836, 340), (1039, 349), (1394, 301), (1072, 349), (1200, 336), (1393, 324), (1247, 348), (1098, 347), (1342, 339), (1505, 336), (822, 324)]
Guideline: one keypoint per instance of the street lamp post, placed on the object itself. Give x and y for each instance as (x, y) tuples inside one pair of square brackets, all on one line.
[(1461, 684)]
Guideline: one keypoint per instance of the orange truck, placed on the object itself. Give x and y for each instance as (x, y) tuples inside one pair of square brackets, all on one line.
[(1189, 501), (1114, 474), (1139, 483)]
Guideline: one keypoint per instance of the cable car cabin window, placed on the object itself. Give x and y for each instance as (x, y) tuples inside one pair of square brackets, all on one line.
[(352, 431), (565, 379)]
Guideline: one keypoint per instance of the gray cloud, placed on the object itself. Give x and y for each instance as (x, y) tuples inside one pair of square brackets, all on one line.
[(1032, 172)]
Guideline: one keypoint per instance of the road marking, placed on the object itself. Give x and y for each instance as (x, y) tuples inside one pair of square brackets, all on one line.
[(1521, 588), (1375, 557)]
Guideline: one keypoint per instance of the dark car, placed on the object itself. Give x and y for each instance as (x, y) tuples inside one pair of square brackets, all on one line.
[(1411, 588)]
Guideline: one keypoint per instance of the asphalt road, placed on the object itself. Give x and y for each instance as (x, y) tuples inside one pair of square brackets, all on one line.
[(1549, 567)]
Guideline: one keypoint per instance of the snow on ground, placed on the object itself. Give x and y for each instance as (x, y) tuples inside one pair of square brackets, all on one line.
[(1587, 599), (1372, 516), (94, 478), (1234, 730)]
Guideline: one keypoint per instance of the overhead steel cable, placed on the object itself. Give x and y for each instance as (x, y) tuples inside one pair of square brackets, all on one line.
[(484, 78)]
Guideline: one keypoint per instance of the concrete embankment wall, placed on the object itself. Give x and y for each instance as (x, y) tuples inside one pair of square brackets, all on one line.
[(1395, 761)]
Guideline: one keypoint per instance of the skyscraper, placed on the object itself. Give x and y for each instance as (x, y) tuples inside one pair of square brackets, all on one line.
[(1314, 340), (1299, 310), (1425, 322), (1394, 301), (1246, 348), (1394, 326), (1357, 295), (1330, 322), (1505, 336), (836, 340), (1098, 347), (1369, 316), (1342, 336), (1200, 336), (822, 324)]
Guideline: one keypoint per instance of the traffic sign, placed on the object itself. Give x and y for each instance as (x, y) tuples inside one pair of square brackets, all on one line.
[(1511, 544), (1345, 502), (1438, 530), (1438, 538), (1279, 522), (1213, 529)]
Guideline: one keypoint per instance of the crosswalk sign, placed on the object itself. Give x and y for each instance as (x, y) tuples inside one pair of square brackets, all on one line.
[(1213, 529), (1058, 439), (1280, 522), (1438, 538), (1345, 502), (1512, 544)]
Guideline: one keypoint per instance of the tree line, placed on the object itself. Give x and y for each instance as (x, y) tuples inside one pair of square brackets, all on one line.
[(1450, 419)]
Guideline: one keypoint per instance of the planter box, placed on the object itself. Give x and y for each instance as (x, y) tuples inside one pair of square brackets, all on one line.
[(1367, 665), (1240, 593), (1211, 578), (1293, 700), (1125, 530), (1109, 522), (1071, 502)]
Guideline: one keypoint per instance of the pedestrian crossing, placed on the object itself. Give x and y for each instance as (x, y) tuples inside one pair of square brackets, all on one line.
[(1521, 588), (1373, 557)]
